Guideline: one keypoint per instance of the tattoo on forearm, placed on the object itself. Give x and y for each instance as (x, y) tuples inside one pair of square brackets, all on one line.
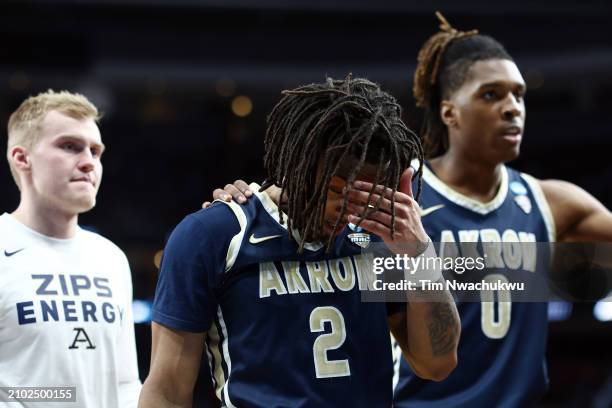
[(442, 328)]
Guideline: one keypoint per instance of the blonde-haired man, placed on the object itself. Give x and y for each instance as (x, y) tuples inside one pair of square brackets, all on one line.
[(66, 294)]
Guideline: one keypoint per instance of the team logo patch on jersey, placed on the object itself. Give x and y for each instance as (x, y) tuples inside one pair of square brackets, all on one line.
[(358, 237), (518, 188), (523, 202)]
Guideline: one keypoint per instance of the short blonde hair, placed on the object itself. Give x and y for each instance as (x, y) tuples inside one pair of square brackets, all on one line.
[(24, 123)]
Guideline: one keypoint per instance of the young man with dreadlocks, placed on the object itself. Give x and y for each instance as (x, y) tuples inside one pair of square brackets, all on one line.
[(473, 96), (274, 299)]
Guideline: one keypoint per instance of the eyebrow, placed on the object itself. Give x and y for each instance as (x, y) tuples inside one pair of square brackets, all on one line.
[(100, 145), (522, 86)]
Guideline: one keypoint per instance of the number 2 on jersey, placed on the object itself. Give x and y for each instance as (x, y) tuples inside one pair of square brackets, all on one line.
[(325, 368)]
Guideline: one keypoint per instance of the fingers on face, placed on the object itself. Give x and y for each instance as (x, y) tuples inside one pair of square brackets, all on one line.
[(373, 226), (379, 220), (361, 199), (402, 216), (379, 189), (380, 217), (344, 220), (380, 228)]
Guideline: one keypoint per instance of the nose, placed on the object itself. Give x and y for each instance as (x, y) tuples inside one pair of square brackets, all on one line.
[(512, 107), (86, 162)]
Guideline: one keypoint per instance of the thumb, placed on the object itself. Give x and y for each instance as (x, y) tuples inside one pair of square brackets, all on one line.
[(405, 185)]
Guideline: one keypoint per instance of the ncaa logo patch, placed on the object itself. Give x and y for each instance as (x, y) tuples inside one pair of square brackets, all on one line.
[(523, 202), (358, 237), (518, 188)]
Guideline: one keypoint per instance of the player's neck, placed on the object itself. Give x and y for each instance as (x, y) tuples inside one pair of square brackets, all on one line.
[(46, 220), (476, 179)]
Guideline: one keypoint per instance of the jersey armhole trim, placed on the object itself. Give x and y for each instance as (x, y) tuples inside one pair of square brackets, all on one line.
[(269, 205), (542, 203), (273, 210), (236, 242)]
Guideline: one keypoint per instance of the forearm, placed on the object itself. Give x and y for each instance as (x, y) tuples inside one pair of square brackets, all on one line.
[(432, 333), (156, 397), (175, 363), (429, 329), (594, 227)]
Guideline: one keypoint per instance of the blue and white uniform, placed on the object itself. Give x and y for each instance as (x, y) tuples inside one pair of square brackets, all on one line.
[(282, 329), (502, 346)]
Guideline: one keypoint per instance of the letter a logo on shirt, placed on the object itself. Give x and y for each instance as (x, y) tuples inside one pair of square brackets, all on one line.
[(81, 337)]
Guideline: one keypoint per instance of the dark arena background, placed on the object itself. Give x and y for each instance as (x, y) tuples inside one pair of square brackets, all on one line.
[(185, 86)]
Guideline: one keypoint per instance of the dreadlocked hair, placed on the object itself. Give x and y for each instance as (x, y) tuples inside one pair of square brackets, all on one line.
[(315, 128), (443, 64)]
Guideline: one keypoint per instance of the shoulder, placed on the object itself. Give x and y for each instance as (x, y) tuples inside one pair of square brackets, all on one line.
[(568, 202), (563, 195), (10, 229), (100, 244), (106, 254), (206, 234), (5, 228), (221, 220), (559, 189)]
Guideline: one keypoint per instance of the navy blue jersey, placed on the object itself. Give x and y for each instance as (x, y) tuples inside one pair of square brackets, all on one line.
[(502, 347), (282, 329)]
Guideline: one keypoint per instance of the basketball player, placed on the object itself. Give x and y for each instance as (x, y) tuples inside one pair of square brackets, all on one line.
[(66, 293), (274, 300), (473, 96)]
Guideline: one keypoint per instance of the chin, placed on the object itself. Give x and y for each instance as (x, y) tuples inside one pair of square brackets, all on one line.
[(513, 154), (505, 155), (84, 204)]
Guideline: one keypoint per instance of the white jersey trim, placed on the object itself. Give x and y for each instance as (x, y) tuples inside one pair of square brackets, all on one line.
[(215, 359), (272, 209), (236, 242), (465, 201), (227, 359), (212, 364), (542, 203), (396, 354)]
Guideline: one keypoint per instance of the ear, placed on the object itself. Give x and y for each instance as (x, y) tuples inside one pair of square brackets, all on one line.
[(20, 158), (448, 113)]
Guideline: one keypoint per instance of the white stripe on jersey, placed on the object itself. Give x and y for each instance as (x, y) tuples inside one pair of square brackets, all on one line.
[(542, 203), (227, 358), (465, 201), (236, 242), (396, 353), (211, 361), (213, 340)]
